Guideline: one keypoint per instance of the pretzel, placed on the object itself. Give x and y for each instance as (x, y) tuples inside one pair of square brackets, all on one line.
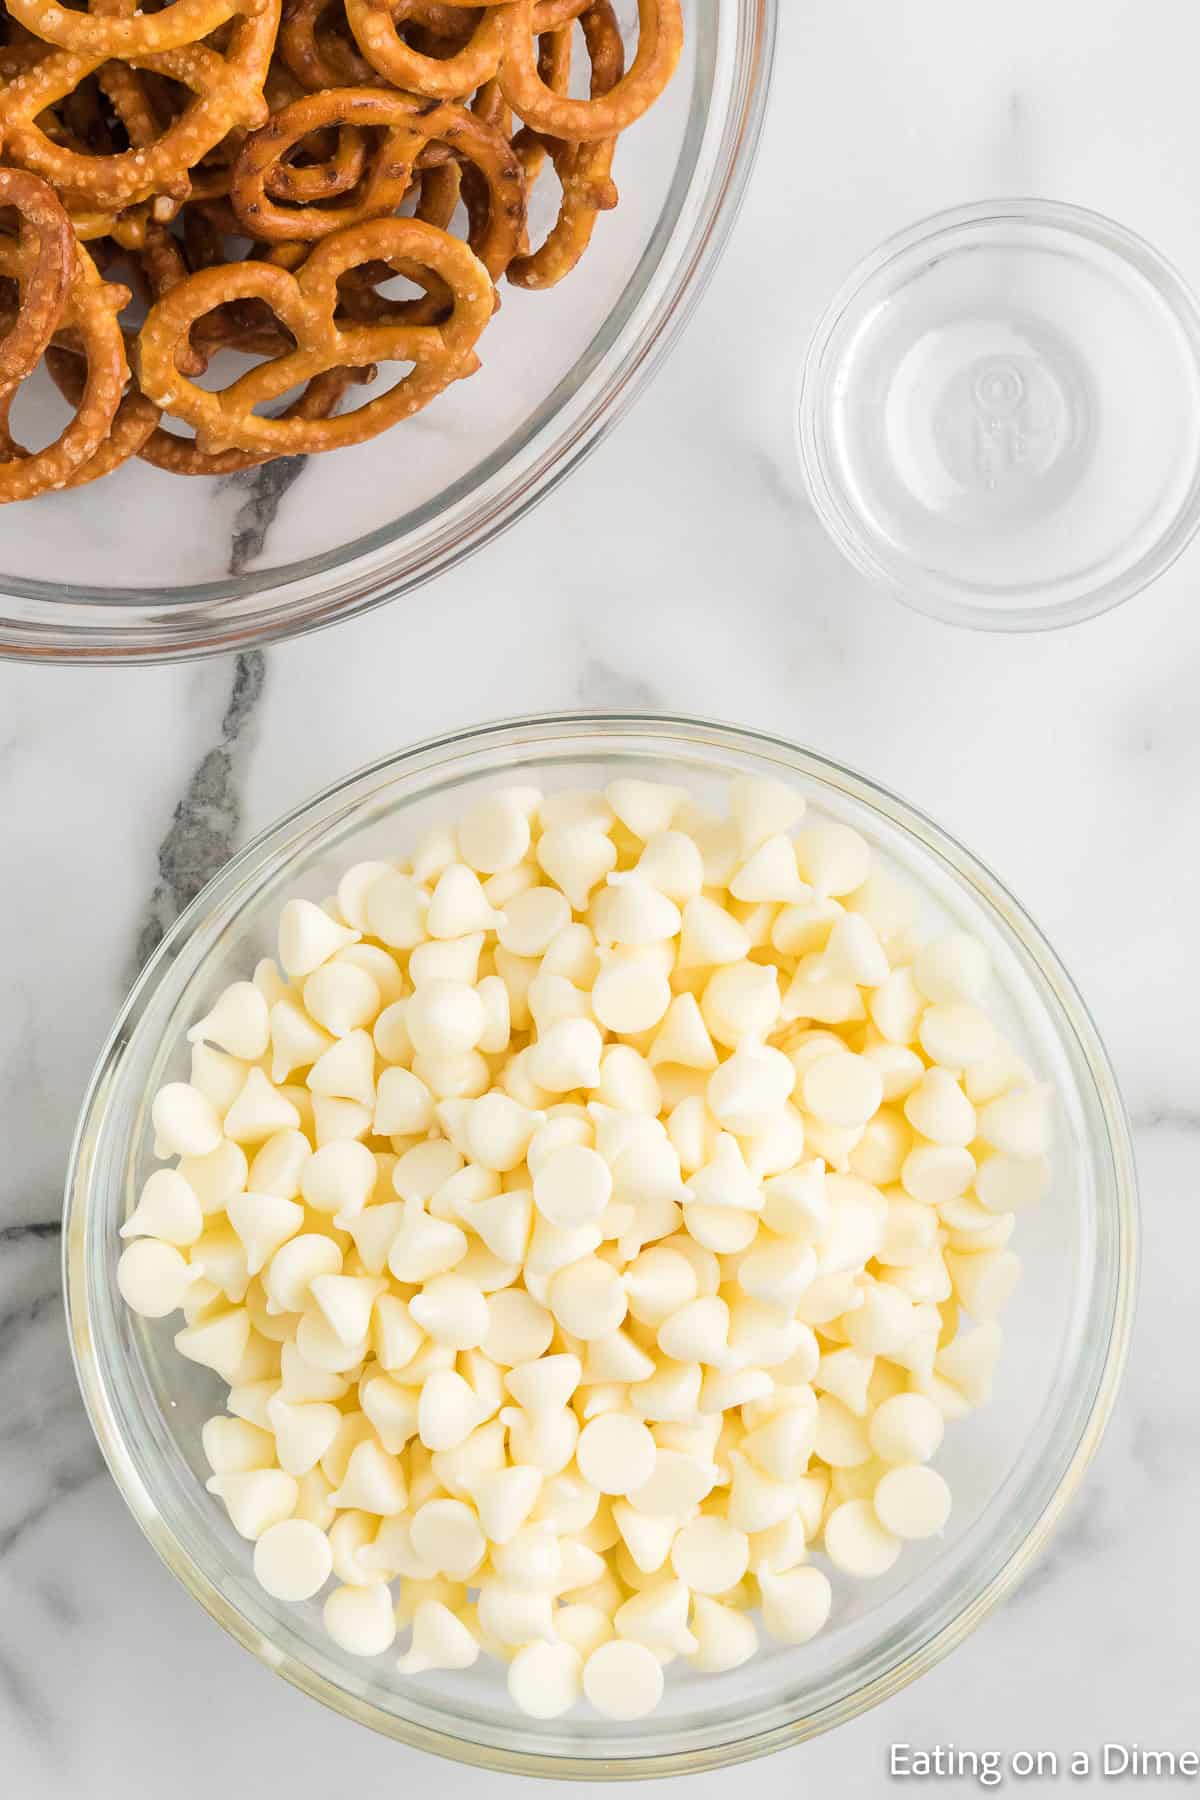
[(408, 125), (158, 267), (303, 184), (227, 92), (91, 309), (102, 34), (374, 23), (133, 422), (136, 430), (80, 121), (182, 456), (129, 93), (440, 189), (125, 225), (22, 51), (583, 169), (47, 252), (660, 40), (242, 326), (555, 49), (433, 29), (248, 326), (358, 299), (547, 14), (317, 58), (306, 304), (262, 169)]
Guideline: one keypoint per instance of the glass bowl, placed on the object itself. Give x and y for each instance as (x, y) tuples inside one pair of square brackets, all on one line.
[(1000, 415), (1012, 1468), (145, 565)]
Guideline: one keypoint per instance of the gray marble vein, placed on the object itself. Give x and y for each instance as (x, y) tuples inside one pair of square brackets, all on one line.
[(66, 1480), (1092, 1526), (47, 1451), (207, 819), (264, 491), (23, 1697), (34, 1228), (1166, 1118), (606, 688)]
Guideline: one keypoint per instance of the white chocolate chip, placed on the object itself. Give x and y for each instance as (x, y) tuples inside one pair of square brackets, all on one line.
[(495, 834), (623, 1680), (451, 1311), (587, 1298), (153, 1278), (749, 1088), (448, 1411), (167, 1209), (238, 1023), (308, 937), (515, 1615), (440, 1640), (725, 1637), (857, 1541), (292, 1560), (796, 1604), (572, 1186), (341, 998), (458, 905), (913, 1502), (832, 858), (567, 1056), (616, 1453), (710, 1555), (256, 1499), (185, 1121), (259, 1111), (954, 968), (360, 1619), (657, 1616), (1017, 1123), (445, 1018)]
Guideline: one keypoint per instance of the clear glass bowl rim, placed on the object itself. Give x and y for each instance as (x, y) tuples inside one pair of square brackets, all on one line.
[(55, 622), (825, 489), (1102, 1352)]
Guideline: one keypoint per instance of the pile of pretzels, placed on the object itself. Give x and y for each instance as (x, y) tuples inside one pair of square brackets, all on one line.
[(248, 177)]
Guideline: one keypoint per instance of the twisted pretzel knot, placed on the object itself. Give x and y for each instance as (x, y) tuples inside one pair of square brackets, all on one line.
[(227, 93), (317, 55), (583, 169), (136, 430), (306, 305), (376, 27), (90, 309), (128, 34), (45, 263), (660, 40), (409, 124)]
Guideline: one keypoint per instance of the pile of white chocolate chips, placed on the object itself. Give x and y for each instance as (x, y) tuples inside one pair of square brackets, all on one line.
[(602, 1212)]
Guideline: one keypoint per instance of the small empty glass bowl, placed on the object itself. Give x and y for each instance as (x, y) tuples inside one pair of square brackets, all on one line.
[(1011, 1467), (1000, 415)]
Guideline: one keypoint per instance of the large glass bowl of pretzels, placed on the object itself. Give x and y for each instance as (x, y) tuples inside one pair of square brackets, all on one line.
[(1011, 1467), (305, 300)]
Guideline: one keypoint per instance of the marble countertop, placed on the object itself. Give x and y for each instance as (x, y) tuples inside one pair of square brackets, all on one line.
[(1069, 761)]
